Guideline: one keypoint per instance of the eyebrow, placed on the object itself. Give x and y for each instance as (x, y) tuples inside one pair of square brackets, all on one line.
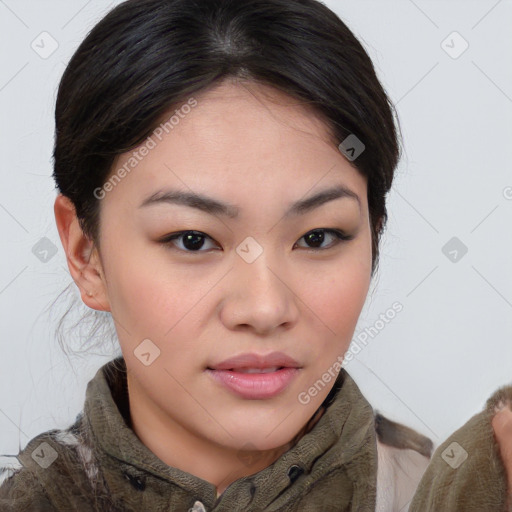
[(218, 208)]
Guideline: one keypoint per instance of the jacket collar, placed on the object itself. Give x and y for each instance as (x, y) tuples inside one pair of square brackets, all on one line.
[(341, 434)]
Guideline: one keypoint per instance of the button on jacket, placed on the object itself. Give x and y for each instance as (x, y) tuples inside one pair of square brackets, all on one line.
[(346, 462)]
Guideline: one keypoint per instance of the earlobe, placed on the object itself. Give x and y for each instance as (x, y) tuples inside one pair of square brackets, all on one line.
[(82, 256)]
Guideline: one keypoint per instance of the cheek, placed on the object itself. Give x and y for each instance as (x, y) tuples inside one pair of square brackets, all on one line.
[(154, 299), (149, 307), (337, 297), (349, 288), (341, 305), (143, 299)]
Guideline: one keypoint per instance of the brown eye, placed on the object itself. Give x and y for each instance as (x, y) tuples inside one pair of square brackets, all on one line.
[(192, 241), (316, 238)]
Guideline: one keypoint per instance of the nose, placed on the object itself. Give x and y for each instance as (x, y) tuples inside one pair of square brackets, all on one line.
[(260, 297)]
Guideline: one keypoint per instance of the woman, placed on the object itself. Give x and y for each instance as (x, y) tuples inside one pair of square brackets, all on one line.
[(222, 170)]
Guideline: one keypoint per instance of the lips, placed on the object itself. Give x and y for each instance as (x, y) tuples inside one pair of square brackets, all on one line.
[(255, 377), (256, 363)]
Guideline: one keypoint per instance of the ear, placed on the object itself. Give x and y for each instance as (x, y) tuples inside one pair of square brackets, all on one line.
[(82, 256)]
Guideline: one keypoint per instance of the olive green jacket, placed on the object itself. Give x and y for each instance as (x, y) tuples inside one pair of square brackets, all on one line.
[(99, 464), (466, 473)]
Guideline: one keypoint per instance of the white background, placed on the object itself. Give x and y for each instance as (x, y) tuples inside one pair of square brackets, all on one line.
[(433, 366)]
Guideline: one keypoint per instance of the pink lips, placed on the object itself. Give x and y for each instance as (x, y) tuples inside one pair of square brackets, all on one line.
[(231, 373)]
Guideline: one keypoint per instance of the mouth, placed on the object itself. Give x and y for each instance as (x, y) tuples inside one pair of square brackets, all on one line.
[(255, 370), (256, 363), (255, 377)]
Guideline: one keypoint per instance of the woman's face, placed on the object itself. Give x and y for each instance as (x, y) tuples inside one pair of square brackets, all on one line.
[(249, 282)]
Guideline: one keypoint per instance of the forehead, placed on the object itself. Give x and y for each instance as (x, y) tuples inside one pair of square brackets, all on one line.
[(239, 136), (242, 101)]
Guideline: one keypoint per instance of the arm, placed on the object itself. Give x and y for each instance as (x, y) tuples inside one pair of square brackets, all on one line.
[(467, 473), (502, 426)]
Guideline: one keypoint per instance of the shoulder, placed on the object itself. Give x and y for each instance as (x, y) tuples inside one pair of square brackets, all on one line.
[(403, 457), (43, 474), (21, 487), (466, 472), (20, 490)]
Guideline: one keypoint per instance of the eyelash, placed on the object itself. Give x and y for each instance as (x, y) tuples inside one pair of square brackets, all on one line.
[(340, 236)]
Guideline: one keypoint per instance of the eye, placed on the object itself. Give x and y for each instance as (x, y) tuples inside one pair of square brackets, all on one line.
[(192, 240), (317, 237)]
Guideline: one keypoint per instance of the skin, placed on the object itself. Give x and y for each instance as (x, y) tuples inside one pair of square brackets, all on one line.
[(201, 307), (502, 425)]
